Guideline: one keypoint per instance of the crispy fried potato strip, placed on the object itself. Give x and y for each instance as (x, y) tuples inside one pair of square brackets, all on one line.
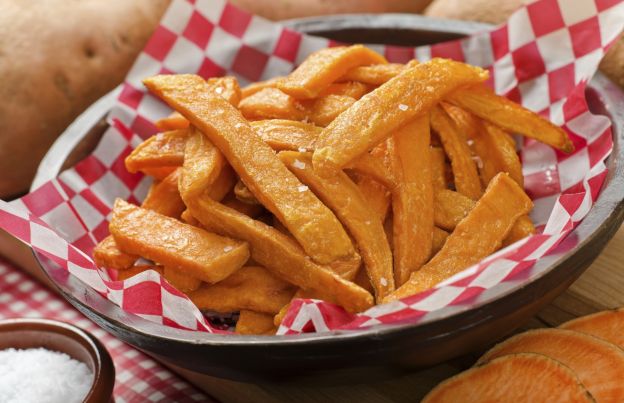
[(412, 198), (271, 103), (251, 210), (254, 288), (226, 87), (159, 173), (280, 254), (164, 197), (438, 168), (290, 135), (256, 323), (343, 196), (160, 150), (376, 74), (203, 164), (107, 254), (325, 66), (522, 228), (351, 89), (439, 238), (181, 281), (510, 116), (134, 270), (373, 167), (492, 218), (182, 247), (243, 193), (174, 121), (259, 86), (377, 195), (313, 225), (450, 208), (377, 115), (325, 109)]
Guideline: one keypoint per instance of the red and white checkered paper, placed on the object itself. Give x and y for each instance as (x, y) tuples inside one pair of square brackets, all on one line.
[(542, 58)]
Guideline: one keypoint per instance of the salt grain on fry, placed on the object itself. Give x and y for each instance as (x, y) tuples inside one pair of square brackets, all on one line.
[(299, 165), (302, 188), (403, 107)]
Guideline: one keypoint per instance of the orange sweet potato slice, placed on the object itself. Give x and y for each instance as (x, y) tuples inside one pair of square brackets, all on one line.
[(376, 74), (478, 235), (134, 270), (313, 225), (325, 66), (243, 193), (159, 173), (107, 254), (289, 135), (259, 86), (351, 89), (439, 238), (280, 254), (174, 121), (377, 196), (341, 195), (606, 325), (251, 287), (521, 229), (450, 208), (377, 115), (181, 281), (164, 197), (226, 87), (162, 149), (373, 167), (203, 164), (510, 116), (598, 364), (256, 323), (522, 377), (412, 198), (438, 168), (325, 109), (172, 243), (467, 181), (271, 103), (223, 185)]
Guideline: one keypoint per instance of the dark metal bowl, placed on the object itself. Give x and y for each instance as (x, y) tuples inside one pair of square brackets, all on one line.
[(356, 356)]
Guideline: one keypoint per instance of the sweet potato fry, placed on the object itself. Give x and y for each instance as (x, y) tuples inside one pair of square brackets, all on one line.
[(256, 323), (324, 110), (373, 167), (450, 208), (259, 86), (172, 243), (203, 164), (174, 121), (311, 223), (476, 236), (510, 116), (341, 195), (181, 281), (223, 185), (412, 198), (280, 254), (271, 103), (325, 66), (162, 149), (467, 181), (376, 74), (439, 238), (522, 228), (134, 270), (243, 193), (188, 218), (300, 294), (377, 196), (159, 173), (254, 288), (227, 88), (289, 135), (438, 168), (251, 210), (164, 197), (107, 254), (351, 89), (381, 112)]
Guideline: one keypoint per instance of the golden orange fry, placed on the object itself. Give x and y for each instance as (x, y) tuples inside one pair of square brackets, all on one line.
[(313, 225), (351, 89), (300, 294), (378, 114), (243, 193), (510, 116), (467, 181), (476, 236), (251, 210), (162, 149), (256, 323), (450, 208), (174, 121), (227, 88), (170, 242), (280, 254), (376, 74), (271, 103), (373, 167), (107, 254), (325, 66), (438, 168), (159, 173), (258, 86), (325, 109), (223, 185), (341, 195), (290, 135), (253, 288), (203, 164), (439, 238), (181, 281), (377, 196), (412, 198), (521, 229), (134, 270), (164, 197)]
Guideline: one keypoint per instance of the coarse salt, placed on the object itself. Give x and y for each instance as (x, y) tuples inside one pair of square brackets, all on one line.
[(227, 249), (41, 375), (299, 164), (302, 188), (383, 281), (238, 125), (302, 149), (219, 90), (403, 107)]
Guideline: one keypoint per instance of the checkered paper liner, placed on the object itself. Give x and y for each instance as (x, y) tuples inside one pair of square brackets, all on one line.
[(542, 58)]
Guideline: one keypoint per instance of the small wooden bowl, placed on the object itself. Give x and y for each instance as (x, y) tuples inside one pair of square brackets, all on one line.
[(68, 339)]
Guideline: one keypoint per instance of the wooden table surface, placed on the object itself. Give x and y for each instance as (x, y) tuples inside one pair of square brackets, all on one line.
[(601, 287)]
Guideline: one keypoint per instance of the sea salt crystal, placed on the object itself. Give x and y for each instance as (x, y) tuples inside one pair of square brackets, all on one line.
[(302, 149), (299, 164), (302, 188), (219, 90), (238, 125), (383, 281), (43, 376), (403, 107), (227, 249), (429, 88)]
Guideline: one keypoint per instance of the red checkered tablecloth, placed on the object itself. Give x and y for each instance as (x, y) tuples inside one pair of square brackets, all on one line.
[(139, 378)]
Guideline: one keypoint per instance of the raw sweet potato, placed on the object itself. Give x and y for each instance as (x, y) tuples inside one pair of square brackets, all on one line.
[(203, 164), (311, 223), (160, 150), (271, 103), (181, 281), (256, 323), (172, 243), (598, 364), (290, 135), (376, 74), (607, 325), (522, 377)]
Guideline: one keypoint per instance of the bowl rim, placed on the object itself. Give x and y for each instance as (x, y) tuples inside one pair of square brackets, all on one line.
[(103, 367), (609, 205)]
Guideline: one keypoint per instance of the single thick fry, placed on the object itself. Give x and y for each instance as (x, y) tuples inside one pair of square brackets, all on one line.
[(170, 242), (325, 66), (203, 164), (373, 167), (134, 270), (510, 116), (467, 181), (159, 173), (313, 225), (227, 88), (289, 135), (381, 112), (476, 236), (243, 193), (258, 86), (439, 238), (438, 168), (107, 254), (251, 210), (450, 208), (324, 110), (376, 74), (280, 254), (164, 197), (412, 198), (162, 149), (174, 121), (341, 195), (181, 281), (376, 195), (351, 89), (521, 229), (271, 103), (254, 288), (256, 323), (223, 185)]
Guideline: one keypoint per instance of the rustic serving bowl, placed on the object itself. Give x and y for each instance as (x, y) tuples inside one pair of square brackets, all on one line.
[(355, 356), (65, 338)]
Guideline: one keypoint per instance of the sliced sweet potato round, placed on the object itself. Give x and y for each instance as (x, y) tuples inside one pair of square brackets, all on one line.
[(607, 325), (598, 364), (514, 378)]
